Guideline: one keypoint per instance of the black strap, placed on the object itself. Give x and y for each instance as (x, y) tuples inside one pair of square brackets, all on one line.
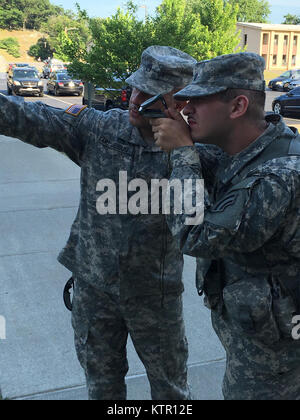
[(291, 285), (67, 294), (277, 149), (214, 284)]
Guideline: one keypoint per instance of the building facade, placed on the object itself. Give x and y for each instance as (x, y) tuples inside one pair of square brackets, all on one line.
[(279, 45)]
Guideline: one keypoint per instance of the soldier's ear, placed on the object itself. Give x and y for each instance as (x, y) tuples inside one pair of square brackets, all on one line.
[(239, 106)]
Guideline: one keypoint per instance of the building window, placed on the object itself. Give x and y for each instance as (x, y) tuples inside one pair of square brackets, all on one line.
[(276, 39), (265, 39), (294, 59), (295, 41), (285, 40), (245, 40), (284, 59), (274, 60)]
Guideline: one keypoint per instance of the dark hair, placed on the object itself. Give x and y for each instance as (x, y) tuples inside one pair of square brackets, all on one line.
[(257, 101)]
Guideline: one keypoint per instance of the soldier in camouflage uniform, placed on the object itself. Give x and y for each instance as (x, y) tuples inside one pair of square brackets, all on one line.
[(248, 246), (127, 268)]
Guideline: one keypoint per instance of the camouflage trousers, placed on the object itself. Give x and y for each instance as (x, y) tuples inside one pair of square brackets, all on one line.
[(256, 369), (102, 323)]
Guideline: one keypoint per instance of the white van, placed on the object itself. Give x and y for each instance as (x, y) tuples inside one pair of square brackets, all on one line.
[(52, 66)]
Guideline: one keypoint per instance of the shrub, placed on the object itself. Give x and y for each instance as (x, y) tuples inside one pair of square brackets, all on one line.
[(12, 46), (41, 49)]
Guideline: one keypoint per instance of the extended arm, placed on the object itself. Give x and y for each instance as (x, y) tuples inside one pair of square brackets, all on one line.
[(43, 126)]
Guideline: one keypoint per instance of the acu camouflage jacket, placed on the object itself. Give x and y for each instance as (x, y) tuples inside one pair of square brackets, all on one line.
[(119, 253), (252, 214)]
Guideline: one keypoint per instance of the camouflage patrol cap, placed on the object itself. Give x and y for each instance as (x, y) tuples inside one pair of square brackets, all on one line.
[(162, 69), (235, 71)]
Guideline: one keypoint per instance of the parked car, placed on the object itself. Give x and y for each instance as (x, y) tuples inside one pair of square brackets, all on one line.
[(12, 66), (53, 66), (288, 103), (292, 84), (279, 82), (21, 65), (24, 80), (61, 82), (104, 99)]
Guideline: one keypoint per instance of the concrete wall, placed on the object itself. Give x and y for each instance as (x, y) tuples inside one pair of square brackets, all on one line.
[(253, 39)]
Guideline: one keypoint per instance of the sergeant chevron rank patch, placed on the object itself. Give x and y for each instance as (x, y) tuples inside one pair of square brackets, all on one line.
[(228, 201), (75, 110)]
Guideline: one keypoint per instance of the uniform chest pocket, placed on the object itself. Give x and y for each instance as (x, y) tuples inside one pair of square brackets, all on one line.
[(115, 157)]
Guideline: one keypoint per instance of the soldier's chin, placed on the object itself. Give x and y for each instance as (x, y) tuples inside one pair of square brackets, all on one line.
[(136, 119), (197, 137)]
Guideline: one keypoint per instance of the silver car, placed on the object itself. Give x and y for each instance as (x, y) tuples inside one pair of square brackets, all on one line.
[(281, 82), (293, 84)]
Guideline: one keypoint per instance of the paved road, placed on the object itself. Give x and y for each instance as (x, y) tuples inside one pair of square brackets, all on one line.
[(270, 96), (56, 101)]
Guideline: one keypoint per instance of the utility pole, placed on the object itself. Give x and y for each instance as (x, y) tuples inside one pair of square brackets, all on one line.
[(89, 85), (144, 6)]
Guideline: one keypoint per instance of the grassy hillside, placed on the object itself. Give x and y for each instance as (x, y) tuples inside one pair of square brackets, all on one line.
[(25, 39)]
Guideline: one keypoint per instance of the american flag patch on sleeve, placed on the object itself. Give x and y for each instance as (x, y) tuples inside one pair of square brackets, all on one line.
[(75, 110)]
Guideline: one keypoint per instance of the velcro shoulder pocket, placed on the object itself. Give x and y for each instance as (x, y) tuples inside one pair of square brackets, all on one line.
[(228, 212)]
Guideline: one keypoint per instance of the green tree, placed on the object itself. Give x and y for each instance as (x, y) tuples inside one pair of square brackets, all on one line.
[(26, 14), (251, 10), (203, 29), (68, 46), (74, 26), (35, 12), (63, 31), (214, 30), (41, 49), (115, 49), (10, 15), (174, 25), (291, 19)]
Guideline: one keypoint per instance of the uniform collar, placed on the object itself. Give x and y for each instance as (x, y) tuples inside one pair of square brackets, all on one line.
[(233, 165)]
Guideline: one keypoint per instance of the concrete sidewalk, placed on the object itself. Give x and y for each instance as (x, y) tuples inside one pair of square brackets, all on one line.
[(39, 195)]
